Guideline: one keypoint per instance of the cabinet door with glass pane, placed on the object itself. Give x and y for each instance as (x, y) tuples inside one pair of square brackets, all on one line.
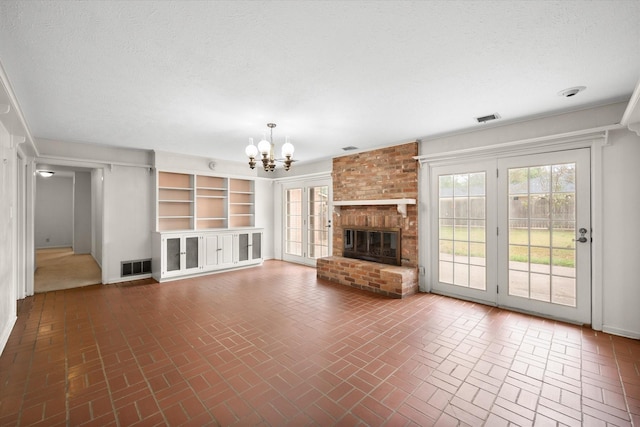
[(249, 246), (180, 254)]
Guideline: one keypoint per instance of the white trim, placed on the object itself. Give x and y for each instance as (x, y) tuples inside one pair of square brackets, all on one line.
[(402, 204), (539, 144), (597, 232), (92, 161), (621, 332), (202, 172), (6, 332), (631, 116), (424, 213), (316, 175), (8, 89)]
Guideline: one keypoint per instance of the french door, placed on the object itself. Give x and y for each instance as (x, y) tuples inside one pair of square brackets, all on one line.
[(307, 224), (464, 199), (515, 232), (544, 256)]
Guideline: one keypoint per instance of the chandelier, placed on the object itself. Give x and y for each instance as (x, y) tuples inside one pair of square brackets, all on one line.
[(266, 150)]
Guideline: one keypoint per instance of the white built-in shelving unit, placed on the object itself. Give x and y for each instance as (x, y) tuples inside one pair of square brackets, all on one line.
[(201, 202), (205, 224)]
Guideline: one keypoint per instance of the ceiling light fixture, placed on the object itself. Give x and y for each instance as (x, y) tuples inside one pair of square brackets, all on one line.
[(266, 150), (46, 174)]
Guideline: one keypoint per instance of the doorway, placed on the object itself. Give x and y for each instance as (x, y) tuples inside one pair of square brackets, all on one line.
[(515, 232), (307, 224), (64, 228)]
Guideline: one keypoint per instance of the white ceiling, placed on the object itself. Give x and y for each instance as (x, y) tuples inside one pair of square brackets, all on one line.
[(201, 77)]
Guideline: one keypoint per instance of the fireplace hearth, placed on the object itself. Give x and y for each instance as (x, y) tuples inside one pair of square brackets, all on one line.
[(377, 245)]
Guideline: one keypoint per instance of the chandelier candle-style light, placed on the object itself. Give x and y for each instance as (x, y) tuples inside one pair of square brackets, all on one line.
[(266, 150)]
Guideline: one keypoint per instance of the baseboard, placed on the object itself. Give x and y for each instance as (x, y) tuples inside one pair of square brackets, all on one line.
[(621, 332), (6, 332)]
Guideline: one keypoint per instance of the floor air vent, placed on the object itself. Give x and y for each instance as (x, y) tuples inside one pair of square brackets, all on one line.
[(133, 268)]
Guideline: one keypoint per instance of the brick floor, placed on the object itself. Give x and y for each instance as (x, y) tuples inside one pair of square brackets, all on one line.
[(275, 346)]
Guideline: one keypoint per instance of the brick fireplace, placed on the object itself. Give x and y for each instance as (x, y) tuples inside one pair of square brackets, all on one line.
[(366, 186)]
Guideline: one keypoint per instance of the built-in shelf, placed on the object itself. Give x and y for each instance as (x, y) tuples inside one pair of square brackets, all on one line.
[(202, 202), (401, 204)]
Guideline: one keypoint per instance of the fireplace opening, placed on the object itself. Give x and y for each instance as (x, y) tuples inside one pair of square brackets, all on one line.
[(377, 245)]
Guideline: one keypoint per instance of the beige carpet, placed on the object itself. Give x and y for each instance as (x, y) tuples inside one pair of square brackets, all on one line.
[(60, 268)]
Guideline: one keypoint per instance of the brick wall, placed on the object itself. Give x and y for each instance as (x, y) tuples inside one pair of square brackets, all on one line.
[(386, 173)]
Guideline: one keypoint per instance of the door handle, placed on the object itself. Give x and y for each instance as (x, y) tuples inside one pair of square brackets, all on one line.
[(582, 238)]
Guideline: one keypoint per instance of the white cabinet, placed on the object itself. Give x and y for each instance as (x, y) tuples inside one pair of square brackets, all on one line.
[(249, 247), (177, 255), (180, 254), (218, 250)]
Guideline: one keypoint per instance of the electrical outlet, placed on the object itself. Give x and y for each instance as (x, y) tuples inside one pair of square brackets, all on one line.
[(47, 240)]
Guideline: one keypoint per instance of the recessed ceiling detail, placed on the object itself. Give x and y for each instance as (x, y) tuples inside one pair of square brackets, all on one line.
[(572, 91)]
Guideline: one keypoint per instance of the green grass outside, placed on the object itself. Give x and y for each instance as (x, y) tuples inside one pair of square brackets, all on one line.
[(562, 252)]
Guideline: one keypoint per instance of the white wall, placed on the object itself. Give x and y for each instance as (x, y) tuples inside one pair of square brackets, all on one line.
[(621, 207), (128, 221), (264, 202), (97, 197), (7, 231), (301, 169), (54, 211), (486, 135), (621, 286), (82, 213)]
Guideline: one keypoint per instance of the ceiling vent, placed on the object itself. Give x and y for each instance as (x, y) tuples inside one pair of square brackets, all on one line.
[(488, 118), (349, 148)]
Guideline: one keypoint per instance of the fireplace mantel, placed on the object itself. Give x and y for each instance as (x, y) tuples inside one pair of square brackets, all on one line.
[(402, 204)]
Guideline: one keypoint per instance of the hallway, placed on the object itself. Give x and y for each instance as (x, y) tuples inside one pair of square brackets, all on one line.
[(60, 268)]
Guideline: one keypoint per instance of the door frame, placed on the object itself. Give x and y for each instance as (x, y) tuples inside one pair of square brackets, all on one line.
[(304, 183), (596, 140)]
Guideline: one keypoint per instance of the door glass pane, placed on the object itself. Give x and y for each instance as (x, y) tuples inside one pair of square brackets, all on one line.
[(173, 254), (256, 246), (192, 252), (293, 222), (462, 229), (318, 219), (243, 247), (541, 232)]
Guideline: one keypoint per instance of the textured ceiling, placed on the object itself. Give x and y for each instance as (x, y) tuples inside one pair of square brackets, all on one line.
[(201, 77)]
